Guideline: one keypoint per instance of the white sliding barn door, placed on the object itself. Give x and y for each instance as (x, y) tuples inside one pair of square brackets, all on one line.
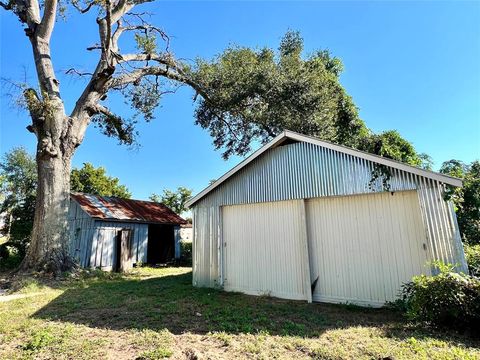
[(265, 249), (363, 248)]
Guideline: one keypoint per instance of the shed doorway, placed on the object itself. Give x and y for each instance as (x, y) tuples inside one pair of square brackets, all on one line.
[(161, 244), (124, 250)]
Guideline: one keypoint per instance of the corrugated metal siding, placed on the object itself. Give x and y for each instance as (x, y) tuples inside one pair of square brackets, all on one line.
[(303, 170), (364, 247), (263, 250), (103, 245), (81, 227)]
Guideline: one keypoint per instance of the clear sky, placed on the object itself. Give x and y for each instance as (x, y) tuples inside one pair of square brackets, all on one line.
[(414, 67)]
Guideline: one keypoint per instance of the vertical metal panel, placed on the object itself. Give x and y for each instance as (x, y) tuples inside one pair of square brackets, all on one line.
[(104, 243), (263, 250), (81, 227), (364, 247), (303, 171)]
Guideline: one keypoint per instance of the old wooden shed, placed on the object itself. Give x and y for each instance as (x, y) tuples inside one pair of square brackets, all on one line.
[(306, 219), (114, 234)]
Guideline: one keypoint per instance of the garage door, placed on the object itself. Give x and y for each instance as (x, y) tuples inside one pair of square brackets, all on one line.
[(263, 249), (362, 248)]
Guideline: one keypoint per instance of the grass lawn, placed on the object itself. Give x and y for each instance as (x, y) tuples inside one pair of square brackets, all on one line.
[(156, 313)]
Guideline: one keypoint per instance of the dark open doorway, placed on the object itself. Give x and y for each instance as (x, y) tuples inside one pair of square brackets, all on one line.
[(161, 244), (124, 250)]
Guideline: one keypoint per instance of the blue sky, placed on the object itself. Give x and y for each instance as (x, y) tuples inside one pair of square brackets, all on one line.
[(414, 67)]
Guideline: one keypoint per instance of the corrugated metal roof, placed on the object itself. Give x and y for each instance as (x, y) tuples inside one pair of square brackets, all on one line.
[(113, 208)]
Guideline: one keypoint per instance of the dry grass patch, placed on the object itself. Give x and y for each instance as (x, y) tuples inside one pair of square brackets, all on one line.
[(156, 314)]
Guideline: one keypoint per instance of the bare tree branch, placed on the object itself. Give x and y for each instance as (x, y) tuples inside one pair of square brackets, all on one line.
[(84, 10), (165, 59), (77, 72)]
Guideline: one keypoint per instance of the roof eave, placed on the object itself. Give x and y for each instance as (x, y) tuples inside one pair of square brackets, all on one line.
[(275, 142), (287, 134)]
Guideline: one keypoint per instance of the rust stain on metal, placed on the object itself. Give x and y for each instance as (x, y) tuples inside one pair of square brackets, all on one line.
[(113, 208)]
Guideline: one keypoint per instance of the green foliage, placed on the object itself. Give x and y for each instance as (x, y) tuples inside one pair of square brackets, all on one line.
[(18, 182), (426, 161), (255, 94), (186, 252), (390, 144), (117, 127), (174, 200), (10, 257), (95, 181), (467, 198), (158, 353), (472, 254), (448, 299), (39, 340), (144, 97), (146, 43)]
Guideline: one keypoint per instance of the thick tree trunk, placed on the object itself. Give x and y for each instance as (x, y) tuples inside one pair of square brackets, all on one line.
[(49, 246), (49, 242)]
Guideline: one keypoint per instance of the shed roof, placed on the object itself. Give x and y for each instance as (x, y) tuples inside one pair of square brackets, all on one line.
[(290, 136), (118, 209)]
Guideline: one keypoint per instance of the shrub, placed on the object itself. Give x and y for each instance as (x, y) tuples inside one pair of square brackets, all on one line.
[(10, 257), (447, 299), (472, 253), (186, 252)]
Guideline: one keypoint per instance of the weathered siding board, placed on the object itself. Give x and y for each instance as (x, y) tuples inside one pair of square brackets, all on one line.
[(104, 245), (302, 171), (81, 232), (92, 242)]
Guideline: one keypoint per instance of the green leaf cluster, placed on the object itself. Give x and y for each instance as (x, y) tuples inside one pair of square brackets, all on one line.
[(146, 43), (175, 200), (448, 299), (18, 184), (92, 180), (255, 94), (466, 198), (472, 255)]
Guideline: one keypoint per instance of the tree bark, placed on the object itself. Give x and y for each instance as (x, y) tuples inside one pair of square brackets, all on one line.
[(49, 246)]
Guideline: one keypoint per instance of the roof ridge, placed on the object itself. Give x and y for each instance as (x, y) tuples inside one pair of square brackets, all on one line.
[(288, 134)]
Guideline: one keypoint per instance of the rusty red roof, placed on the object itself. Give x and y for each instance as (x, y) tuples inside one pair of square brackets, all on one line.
[(118, 209)]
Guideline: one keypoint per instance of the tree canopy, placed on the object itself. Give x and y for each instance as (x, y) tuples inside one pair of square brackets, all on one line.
[(253, 95), (91, 180), (18, 183), (175, 200), (466, 198), (256, 94)]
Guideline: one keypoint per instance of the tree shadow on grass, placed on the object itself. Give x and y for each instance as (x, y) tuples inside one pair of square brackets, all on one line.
[(171, 302)]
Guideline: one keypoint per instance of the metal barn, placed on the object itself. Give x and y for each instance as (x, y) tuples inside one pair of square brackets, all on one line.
[(114, 234), (305, 219)]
